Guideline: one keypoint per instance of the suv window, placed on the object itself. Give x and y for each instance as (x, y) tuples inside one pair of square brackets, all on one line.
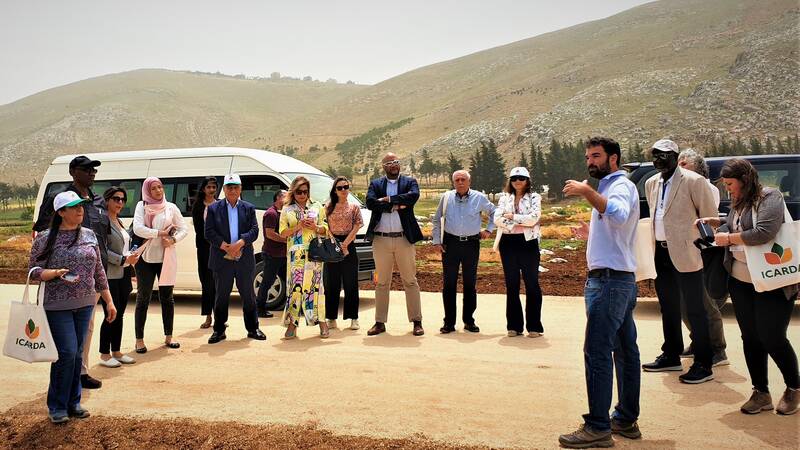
[(778, 176), (260, 189)]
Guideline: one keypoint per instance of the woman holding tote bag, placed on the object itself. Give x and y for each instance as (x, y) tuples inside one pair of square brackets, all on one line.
[(66, 258), (756, 217)]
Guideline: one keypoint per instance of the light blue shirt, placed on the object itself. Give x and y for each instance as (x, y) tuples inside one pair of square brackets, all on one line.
[(463, 216), (612, 235), (390, 222), (233, 221)]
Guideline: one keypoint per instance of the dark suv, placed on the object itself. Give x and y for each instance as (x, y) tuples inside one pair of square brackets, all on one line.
[(779, 171)]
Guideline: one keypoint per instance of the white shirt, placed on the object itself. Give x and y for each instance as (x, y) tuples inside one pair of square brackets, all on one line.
[(390, 221), (661, 205)]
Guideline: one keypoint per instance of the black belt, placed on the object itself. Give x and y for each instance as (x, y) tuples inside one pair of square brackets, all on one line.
[(474, 237), (599, 273), (393, 234), (662, 244)]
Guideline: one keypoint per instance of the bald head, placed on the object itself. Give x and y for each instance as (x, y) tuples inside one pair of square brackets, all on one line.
[(389, 157), (391, 166)]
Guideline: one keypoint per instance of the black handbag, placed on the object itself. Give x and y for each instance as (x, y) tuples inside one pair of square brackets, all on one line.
[(714, 274), (322, 249)]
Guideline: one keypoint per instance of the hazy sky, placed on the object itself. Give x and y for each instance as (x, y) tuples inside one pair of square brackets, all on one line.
[(44, 44)]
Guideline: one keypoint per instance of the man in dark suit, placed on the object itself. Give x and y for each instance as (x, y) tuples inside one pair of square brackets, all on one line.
[(393, 230), (231, 228)]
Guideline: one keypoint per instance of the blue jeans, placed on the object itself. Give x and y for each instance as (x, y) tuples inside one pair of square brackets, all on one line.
[(610, 329), (69, 331)]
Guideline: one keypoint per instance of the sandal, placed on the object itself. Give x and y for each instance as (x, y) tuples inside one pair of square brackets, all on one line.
[(173, 344), (141, 350)]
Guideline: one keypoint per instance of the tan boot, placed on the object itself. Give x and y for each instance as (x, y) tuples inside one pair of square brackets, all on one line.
[(790, 402), (759, 401)]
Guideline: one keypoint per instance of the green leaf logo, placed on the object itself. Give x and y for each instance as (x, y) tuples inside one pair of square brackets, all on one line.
[(31, 326), (777, 249)]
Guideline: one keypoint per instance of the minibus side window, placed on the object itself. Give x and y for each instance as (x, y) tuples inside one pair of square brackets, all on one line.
[(182, 191), (260, 189)]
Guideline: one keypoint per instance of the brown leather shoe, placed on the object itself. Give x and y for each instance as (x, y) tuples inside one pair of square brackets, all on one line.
[(790, 402), (418, 331), (376, 329)]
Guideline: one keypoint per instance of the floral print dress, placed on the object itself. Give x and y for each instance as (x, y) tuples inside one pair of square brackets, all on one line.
[(305, 294)]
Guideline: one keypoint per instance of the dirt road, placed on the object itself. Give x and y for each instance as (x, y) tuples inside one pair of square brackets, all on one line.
[(460, 389)]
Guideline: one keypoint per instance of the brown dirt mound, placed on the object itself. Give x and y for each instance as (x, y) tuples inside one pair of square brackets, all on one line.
[(35, 431)]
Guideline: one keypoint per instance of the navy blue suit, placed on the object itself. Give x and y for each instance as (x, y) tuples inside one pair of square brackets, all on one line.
[(227, 271), (407, 195)]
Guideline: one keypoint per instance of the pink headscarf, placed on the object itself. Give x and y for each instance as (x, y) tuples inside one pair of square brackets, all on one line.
[(152, 207)]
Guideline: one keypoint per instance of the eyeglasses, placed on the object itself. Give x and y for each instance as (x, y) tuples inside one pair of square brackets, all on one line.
[(661, 155), (301, 192), (344, 187), (396, 162), (87, 169), (118, 199), (518, 178)]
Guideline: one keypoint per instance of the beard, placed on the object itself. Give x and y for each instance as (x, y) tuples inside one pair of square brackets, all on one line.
[(601, 171)]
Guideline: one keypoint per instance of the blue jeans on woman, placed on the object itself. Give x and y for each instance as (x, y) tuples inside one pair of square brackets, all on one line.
[(69, 331), (610, 330)]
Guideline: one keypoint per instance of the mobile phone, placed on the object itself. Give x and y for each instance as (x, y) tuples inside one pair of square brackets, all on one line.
[(70, 277)]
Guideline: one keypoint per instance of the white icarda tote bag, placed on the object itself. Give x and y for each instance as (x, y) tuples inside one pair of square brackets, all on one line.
[(645, 251), (777, 263), (28, 336)]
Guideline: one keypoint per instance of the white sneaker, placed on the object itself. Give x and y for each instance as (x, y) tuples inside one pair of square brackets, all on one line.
[(332, 324), (354, 324), (111, 363), (534, 334), (125, 359)]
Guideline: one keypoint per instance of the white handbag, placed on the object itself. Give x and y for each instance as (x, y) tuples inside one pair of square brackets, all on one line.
[(775, 264), (28, 336), (645, 250)]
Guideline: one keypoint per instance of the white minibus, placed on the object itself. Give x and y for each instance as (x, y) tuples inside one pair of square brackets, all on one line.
[(182, 170)]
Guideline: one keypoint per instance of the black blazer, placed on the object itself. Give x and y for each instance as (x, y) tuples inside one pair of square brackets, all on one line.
[(407, 194), (217, 231)]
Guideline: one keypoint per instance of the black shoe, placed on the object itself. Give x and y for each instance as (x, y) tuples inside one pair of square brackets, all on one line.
[(418, 330), (447, 329), (626, 429), (87, 382), (257, 335), (697, 374), (376, 329), (663, 364), (216, 337), (687, 352), (265, 314), (471, 327)]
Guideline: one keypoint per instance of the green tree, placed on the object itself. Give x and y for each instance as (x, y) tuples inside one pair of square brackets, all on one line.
[(755, 146), (523, 160), (492, 176)]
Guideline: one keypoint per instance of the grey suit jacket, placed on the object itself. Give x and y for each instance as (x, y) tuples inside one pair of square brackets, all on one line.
[(689, 199), (115, 248), (770, 218)]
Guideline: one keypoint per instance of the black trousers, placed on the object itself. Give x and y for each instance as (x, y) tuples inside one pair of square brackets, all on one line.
[(338, 275), (206, 280), (465, 254), (671, 287), (146, 274), (273, 267), (763, 319), (521, 256), (224, 278), (111, 333)]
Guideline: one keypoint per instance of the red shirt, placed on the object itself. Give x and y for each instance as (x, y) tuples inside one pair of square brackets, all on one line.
[(270, 222)]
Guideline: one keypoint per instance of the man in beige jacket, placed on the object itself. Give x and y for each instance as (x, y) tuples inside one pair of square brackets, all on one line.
[(677, 198)]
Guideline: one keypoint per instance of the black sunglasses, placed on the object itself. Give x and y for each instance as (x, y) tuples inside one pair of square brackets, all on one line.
[(118, 199), (343, 187), (87, 169), (301, 192), (518, 178)]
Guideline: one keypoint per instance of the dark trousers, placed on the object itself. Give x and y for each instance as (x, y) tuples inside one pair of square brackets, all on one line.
[(69, 329), (521, 256), (672, 287), (224, 278), (206, 280), (338, 275), (146, 274), (465, 254), (610, 330), (111, 333), (763, 318), (273, 267)]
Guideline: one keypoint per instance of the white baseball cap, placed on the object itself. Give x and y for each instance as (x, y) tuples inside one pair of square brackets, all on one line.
[(66, 199), (232, 178), (666, 145), (519, 172)]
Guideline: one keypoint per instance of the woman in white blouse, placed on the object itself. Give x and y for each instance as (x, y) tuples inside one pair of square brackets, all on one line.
[(517, 219), (161, 224)]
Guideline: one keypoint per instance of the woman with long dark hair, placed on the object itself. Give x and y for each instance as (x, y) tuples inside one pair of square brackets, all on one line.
[(517, 219), (206, 195), (120, 271), (66, 259), (763, 317), (344, 221)]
